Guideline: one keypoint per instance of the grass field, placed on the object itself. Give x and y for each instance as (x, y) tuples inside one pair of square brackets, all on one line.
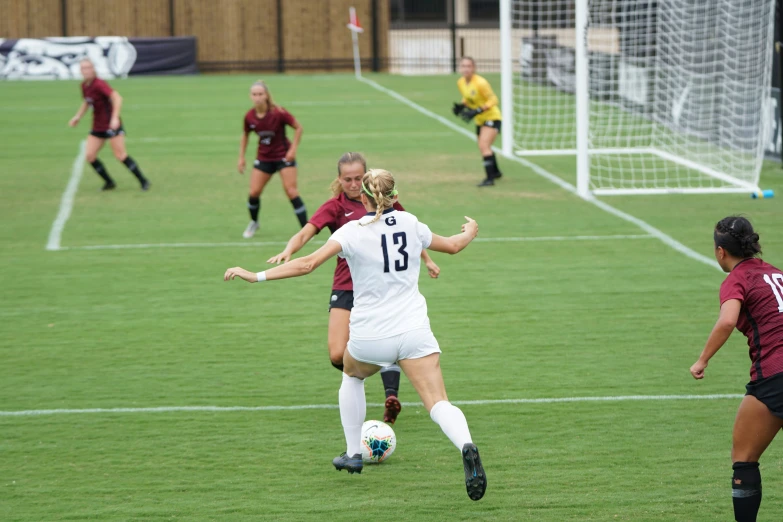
[(551, 314)]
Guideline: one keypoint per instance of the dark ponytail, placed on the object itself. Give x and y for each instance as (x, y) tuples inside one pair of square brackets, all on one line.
[(736, 236)]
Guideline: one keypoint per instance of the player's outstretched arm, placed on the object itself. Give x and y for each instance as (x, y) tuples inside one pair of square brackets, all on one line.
[(456, 243), (727, 321), (82, 110), (296, 268), (295, 244)]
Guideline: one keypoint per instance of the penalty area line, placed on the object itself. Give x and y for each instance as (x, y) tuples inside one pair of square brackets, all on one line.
[(66, 202), (297, 407), (531, 239)]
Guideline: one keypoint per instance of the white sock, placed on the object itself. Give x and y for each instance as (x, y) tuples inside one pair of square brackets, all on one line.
[(353, 408), (452, 421)]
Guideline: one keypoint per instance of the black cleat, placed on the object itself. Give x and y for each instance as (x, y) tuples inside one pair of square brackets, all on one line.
[(145, 185), (488, 182), (109, 185), (351, 464), (498, 175), (475, 478)]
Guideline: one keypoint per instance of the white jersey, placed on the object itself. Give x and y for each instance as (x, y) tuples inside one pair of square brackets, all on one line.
[(384, 259)]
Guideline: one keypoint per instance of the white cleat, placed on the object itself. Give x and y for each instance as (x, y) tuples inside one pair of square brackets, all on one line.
[(250, 231)]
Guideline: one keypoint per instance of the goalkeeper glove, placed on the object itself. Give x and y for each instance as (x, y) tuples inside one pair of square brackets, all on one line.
[(469, 114), (458, 108)]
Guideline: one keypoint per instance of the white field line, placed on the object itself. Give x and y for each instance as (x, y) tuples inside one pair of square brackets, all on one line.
[(296, 407), (317, 242), (314, 136), (66, 202), (663, 237)]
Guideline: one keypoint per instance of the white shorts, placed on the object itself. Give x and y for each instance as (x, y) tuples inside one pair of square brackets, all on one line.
[(414, 344)]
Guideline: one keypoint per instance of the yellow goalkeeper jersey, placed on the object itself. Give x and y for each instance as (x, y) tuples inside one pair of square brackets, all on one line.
[(478, 93)]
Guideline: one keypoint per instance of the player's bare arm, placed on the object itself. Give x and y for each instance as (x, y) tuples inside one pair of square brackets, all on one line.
[(242, 151), (455, 243), (296, 268), (83, 108), (295, 244), (116, 107), (727, 321), (298, 130)]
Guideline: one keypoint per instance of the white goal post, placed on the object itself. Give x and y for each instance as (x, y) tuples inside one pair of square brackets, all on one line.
[(647, 96)]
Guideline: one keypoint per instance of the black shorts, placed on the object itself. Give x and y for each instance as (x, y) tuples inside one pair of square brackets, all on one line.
[(770, 392), (270, 167), (341, 299), (108, 134), (493, 124)]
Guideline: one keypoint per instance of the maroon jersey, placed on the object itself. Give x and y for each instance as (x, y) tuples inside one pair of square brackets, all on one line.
[(759, 286), (97, 94), (333, 215), (272, 142)]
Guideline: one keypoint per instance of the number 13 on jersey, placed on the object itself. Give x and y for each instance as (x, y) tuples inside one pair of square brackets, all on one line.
[(398, 238)]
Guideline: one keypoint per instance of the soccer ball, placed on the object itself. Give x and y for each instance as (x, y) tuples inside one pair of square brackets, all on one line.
[(378, 441)]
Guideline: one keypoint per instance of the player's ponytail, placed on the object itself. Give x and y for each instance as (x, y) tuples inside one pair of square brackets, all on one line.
[(378, 185), (346, 159), (736, 236)]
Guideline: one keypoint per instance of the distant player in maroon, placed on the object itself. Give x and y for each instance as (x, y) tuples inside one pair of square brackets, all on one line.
[(346, 206), (751, 299), (106, 125), (275, 153)]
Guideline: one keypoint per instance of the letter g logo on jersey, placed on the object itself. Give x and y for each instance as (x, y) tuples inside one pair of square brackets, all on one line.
[(391, 221)]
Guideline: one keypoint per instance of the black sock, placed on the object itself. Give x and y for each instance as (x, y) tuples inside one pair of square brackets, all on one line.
[(254, 206), (746, 491), (391, 381), (101, 170), (338, 366), (495, 165), (128, 161), (300, 210), (490, 167)]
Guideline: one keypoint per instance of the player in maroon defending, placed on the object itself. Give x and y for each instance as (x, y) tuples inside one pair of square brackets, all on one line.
[(275, 153), (346, 206), (106, 125), (751, 299)]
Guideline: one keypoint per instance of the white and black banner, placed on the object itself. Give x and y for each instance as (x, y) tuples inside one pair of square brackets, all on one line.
[(113, 56)]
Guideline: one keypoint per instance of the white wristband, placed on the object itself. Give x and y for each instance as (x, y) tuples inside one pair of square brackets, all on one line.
[(261, 276)]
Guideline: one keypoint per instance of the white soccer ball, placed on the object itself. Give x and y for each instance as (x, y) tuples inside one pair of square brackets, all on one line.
[(378, 441)]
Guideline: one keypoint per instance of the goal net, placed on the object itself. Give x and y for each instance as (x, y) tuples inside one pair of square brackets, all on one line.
[(650, 96)]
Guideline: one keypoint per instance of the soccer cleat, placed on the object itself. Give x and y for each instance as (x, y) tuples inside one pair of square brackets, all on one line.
[(145, 185), (393, 408), (498, 175), (250, 231), (109, 185), (350, 464), (488, 182), (475, 479)]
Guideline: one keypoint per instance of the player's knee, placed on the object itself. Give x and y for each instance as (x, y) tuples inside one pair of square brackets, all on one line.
[(486, 150), (292, 192), (254, 193), (91, 157), (336, 354), (120, 155)]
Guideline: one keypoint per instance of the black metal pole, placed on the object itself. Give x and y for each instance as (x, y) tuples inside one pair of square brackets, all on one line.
[(376, 66), (172, 29), (280, 53), (64, 17), (453, 36)]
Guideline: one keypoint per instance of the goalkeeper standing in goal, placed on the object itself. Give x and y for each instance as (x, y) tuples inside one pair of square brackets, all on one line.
[(480, 104)]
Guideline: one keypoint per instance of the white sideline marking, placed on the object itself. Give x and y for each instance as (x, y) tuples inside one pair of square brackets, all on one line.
[(279, 243), (545, 400), (66, 202), (663, 237)]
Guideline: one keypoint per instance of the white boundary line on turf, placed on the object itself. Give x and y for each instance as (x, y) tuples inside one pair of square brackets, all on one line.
[(316, 136), (663, 237), (66, 202), (531, 239), (296, 407)]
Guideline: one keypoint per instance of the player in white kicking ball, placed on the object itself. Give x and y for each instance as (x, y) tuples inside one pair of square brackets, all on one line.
[(389, 321)]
